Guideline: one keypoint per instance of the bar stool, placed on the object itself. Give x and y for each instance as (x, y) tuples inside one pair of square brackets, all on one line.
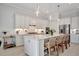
[(60, 42), (67, 41), (51, 45), (0, 43)]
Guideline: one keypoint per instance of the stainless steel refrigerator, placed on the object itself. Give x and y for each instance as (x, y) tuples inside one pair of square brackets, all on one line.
[(65, 28)]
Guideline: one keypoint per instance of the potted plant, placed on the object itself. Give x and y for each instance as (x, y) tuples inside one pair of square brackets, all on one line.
[(52, 31)]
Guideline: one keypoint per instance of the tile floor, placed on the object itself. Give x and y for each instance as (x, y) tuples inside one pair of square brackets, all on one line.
[(16, 51), (19, 51), (73, 50)]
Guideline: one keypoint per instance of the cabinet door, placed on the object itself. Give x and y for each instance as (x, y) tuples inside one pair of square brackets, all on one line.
[(74, 23), (27, 46), (27, 21), (74, 38), (31, 46), (34, 47), (19, 20), (19, 41)]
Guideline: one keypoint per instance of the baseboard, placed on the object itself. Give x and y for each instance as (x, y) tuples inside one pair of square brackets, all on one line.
[(74, 43), (19, 45)]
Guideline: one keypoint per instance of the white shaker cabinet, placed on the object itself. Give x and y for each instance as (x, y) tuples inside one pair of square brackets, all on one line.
[(74, 38), (19, 20), (74, 23), (19, 40), (33, 47)]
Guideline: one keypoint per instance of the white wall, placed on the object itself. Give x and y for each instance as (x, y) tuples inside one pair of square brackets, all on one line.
[(6, 18)]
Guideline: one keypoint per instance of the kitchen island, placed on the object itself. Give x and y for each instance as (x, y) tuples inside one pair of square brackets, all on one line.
[(34, 44)]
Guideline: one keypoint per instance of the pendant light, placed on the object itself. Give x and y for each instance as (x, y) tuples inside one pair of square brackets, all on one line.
[(50, 18), (59, 14), (37, 11)]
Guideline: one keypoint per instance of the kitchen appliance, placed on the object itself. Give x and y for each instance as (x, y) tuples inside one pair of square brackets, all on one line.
[(64, 29)]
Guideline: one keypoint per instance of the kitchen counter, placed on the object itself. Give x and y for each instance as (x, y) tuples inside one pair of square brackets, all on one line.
[(75, 38), (41, 36), (34, 44)]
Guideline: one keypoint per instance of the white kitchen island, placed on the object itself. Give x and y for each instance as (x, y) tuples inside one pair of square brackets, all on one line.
[(34, 44)]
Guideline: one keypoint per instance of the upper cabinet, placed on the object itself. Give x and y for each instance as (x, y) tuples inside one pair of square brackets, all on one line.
[(23, 21), (27, 21), (19, 20), (74, 23), (65, 21)]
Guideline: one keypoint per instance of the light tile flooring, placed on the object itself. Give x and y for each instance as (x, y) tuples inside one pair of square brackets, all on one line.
[(73, 50), (19, 51), (15, 51)]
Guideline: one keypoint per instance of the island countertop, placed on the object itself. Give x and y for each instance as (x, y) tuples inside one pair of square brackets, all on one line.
[(41, 36)]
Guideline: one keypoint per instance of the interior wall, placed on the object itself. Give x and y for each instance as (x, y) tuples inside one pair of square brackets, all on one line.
[(6, 18)]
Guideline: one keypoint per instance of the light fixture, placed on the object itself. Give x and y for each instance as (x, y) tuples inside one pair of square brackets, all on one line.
[(59, 14), (37, 11), (50, 17)]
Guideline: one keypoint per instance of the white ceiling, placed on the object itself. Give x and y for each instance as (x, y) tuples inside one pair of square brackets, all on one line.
[(47, 9)]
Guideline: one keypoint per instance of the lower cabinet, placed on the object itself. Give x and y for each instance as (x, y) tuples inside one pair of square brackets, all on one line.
[(1, 39), (19, 40), (33, 46), (74, 38)]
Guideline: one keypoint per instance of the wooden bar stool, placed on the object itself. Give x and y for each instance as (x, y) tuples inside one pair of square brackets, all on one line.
[(0, 43), (51, 45), (67, 41), (60, 42)]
